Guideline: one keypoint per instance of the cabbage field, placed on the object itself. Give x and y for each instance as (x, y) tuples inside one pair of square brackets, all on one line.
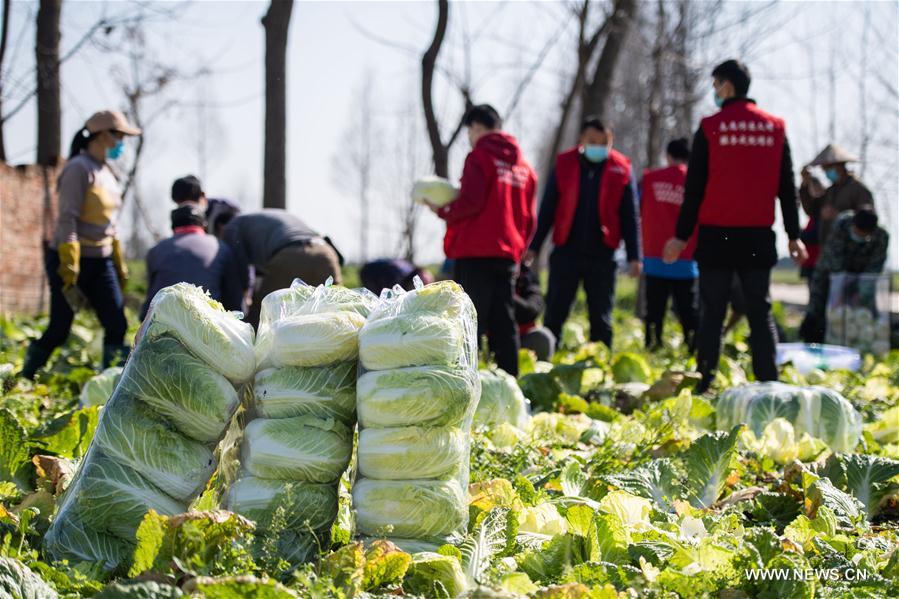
[(344, 453)]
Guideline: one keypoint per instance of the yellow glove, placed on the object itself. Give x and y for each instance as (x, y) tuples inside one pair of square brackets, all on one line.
[(69, 263), (118, 258)]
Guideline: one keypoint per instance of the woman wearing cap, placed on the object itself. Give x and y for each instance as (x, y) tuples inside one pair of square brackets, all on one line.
[(84, 261)]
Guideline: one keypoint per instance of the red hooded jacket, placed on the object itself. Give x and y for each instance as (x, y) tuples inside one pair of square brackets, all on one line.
[(495, 213)]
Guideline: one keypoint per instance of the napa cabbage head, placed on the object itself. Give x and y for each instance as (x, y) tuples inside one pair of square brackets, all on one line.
[(302, 448), (111, 498), (423, 395), (69, 538), (189, 394), (324, 392), (131, 433), (552, 427), (502, 401), (431, 574), (305, 300), (633, 511), (17, 580), (312, 340), (629, 367), (303, 506), (408, 452), (435, 324), (219, 338), (542, 519), (411, 340), (434, 190), (410, 508), (98, 389)]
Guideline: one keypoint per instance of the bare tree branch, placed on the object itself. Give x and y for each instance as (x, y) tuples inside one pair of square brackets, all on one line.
[(4, 36), (428, 65), (532, 71)]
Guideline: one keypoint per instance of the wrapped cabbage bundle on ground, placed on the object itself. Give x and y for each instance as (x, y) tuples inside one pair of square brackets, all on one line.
[(154, 445), (858, 312), (502, 401), (817, 411), (299, 440), (416, 402)]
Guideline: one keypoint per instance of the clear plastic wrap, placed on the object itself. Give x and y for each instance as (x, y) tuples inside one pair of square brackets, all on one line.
[(858, 313), (298, 440), (417, 392), (154, 445)]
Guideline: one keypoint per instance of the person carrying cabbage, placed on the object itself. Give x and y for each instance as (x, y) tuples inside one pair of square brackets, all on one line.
[(488, 227), (278, 247), (85, 262), (858, 244)]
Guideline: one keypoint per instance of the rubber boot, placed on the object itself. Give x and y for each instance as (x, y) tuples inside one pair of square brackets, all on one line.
[(115, 355), (35, 359)]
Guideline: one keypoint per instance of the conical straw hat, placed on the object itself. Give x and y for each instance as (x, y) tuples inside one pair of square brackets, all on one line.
[(833, 154)]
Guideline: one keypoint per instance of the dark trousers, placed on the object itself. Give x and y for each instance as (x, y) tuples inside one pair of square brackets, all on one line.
[(567, 269), (714, 293), (490, 283), (99, 282), (683, 293)]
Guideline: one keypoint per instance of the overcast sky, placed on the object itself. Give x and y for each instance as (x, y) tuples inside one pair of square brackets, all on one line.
[(333, 49)]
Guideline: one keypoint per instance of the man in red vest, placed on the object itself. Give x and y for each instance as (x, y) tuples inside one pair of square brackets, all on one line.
[(739, 164), (589, 202), (661, 196), (488, 228)]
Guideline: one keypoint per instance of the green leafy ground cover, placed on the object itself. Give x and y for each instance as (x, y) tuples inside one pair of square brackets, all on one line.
[(622, 486)]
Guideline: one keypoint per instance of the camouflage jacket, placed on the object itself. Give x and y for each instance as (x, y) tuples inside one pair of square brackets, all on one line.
[(843, 254), (850, 194)]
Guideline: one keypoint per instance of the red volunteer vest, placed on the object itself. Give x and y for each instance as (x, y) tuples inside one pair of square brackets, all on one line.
[(660, 202), (745, 150), (615, 176)]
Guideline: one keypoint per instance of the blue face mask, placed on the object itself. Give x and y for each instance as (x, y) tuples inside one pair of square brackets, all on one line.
[(595, 153), (832, 175), (115, 152), (719, 101)]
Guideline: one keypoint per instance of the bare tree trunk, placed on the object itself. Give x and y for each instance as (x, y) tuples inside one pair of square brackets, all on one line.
[(365, 170), (48, 108), (654, 135), (277, 24), (684, 75), (4, 36), (596, 93), (428, 66), (863, 96), (585, 49)]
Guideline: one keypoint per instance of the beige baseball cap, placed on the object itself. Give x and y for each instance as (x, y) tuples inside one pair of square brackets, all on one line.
[(110, 120)]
